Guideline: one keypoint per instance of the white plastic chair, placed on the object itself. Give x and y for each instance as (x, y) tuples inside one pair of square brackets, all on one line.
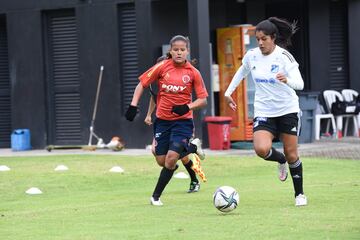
[(330, 97), (321, 115), (350, 95)]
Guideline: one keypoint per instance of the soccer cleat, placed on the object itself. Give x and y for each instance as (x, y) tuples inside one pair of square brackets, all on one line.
[(300, 200), (194, 187), (197, 166), (283, 171), (199, 150), (155, 203)]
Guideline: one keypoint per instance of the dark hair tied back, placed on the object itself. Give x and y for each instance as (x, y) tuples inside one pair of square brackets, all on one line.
[(280, 29)]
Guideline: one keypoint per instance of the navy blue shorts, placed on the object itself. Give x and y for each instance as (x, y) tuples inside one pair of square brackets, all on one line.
[(172, 135)]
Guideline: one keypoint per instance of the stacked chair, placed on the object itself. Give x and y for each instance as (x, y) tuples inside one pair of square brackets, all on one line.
[(330, 97), (351, 95)]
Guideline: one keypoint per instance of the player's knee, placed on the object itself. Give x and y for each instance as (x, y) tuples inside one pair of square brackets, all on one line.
[(291, 157), (170, 165), (171, 159), (261, 151)]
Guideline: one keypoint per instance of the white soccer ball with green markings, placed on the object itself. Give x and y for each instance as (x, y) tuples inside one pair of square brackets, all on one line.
[(226, 199)]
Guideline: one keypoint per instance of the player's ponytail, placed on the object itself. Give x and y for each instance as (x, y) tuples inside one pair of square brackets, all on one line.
[(279, 29), (163, 57)]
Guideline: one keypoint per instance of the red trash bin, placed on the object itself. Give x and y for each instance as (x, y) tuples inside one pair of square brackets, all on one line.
[(219, 132)]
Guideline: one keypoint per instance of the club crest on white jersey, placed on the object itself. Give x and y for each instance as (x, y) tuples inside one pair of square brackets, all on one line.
[(274, 68)]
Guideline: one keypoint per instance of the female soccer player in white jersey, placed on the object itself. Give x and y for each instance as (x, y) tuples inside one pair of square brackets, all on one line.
[(276, 75)]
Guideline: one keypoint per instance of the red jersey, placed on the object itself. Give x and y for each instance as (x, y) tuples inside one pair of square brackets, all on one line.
[(175, 84)]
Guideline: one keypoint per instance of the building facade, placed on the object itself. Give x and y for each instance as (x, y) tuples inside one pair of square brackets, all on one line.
[(51, 53)]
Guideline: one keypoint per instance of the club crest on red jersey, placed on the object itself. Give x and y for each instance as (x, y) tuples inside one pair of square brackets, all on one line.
[(186, 79)]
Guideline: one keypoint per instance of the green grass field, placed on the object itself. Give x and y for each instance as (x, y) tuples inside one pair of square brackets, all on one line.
[(89, 202)]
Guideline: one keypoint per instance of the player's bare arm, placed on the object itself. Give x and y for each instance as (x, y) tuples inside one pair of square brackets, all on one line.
[(198, 103), (137, 94), (151, 108), (230, 101)]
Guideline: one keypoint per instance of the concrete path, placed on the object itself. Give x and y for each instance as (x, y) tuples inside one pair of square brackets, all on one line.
[(345, 148)]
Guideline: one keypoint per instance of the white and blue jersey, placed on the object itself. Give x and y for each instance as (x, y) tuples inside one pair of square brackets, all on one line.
[(273, 98)]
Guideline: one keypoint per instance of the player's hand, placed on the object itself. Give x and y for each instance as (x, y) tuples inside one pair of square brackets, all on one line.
[(148, 120), (180, 109), (281, 77), (230, 102), (131, 113)]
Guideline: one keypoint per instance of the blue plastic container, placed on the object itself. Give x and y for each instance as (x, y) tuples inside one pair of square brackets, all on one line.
[(20, 140)]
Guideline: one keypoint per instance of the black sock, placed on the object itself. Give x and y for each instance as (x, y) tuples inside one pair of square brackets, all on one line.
[(164, 178), (275, 156), (190, 149), (296, 172), (191, 171)]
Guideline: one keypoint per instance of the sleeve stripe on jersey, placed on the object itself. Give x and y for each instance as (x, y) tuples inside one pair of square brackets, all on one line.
[(289, 56), (155, 67)]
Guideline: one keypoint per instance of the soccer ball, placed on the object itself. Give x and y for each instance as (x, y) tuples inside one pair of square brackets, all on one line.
[(226, 199)]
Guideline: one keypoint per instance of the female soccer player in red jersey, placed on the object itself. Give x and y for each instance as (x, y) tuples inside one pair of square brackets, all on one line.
[(176, 79), (191, 162)]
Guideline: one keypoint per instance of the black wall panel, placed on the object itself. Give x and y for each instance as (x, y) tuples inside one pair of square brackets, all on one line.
[(134, 133), (319, 57), (99, 46), (295, 11), (25, 47), (167, 24), (63, 78), (353, 38), (338, 46), (129, 62), (5, 98)]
